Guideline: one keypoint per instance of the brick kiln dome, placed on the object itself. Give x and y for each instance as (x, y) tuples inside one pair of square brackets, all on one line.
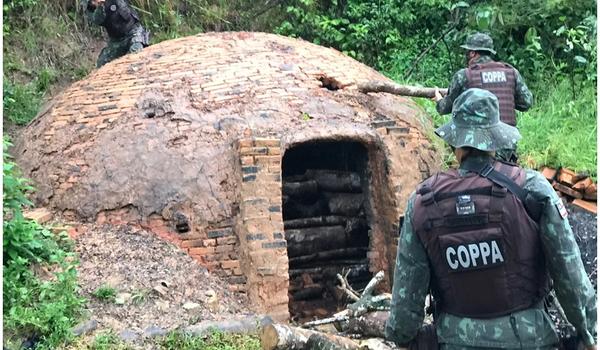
[(191, 137)]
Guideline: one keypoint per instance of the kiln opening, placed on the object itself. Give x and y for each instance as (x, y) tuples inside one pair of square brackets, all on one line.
[(327, 218)]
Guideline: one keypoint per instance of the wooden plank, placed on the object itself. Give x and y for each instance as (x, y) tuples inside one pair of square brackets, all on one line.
[(41, 215), (589, 206), (549, 173), (581, 185), (567, 190), (567, 176), (590, 192)]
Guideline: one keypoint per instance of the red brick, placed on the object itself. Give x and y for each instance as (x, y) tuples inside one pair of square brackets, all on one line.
[(202, 251), (266, 142), (226, 240), (41, 215), (230, 264), (274, 150), (192, 243), (589, 206), (223, 248), (247, 160), (549, 173), (209, 242)]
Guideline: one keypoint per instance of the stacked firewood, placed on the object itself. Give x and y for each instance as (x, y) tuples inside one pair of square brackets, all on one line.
[(327, 233), (579, 188), (360, 326)]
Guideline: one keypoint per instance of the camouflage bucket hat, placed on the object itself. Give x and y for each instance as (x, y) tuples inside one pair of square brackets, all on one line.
[(476, 123), (479, 42)]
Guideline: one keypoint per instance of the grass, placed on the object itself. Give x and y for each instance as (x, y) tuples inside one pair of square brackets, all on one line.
[(105, 293), (560, 130), (215, 341)]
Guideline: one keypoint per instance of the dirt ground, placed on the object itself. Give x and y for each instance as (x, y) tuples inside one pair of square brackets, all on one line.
[(158, 287)]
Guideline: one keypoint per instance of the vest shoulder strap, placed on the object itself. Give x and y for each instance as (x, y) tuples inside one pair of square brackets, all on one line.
[(486, 170)]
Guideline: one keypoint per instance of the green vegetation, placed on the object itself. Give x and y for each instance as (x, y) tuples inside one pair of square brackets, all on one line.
[(107, 340), (40, 298), (105, 293), (216, 341)]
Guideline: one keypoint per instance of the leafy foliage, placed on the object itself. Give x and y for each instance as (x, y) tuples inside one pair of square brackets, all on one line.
[(38, 307)]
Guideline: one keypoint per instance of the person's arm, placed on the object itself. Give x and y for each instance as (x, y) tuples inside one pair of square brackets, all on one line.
[(457, 86), (523, 97), (573, 287), (411, 283)]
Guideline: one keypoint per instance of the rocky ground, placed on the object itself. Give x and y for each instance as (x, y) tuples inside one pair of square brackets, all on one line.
[(156, 286)]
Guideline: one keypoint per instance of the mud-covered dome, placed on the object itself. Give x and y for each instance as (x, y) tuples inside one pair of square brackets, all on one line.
[(158, 129)]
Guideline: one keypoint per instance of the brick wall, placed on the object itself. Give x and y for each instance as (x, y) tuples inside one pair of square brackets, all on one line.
[(259, 227)]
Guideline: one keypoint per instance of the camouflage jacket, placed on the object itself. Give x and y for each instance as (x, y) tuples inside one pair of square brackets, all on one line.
[(534, 328), (523, 97), (98, 16)]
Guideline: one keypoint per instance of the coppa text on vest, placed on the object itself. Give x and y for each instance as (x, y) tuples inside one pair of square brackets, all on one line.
[(493, 77), (475, 255)]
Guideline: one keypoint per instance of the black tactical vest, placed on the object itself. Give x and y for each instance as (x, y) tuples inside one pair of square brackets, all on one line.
[(499, 79), (120, 18), (484, 249)]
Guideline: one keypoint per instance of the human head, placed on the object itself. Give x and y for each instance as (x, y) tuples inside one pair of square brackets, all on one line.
[(478, 44), (476, 124)]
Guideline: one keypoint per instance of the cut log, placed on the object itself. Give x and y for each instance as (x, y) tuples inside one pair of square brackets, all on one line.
[(590, 192), (371, 324), (347, 204), (581, 185), (549, 173), (567, 177), (294, 209), (302, 190), (589, 206), (359, 252), (329, 220), (307, 293), (281, 337), (306, 241), (396, 89), (330, 272), (567, 190), (322, 341), (335, 181)]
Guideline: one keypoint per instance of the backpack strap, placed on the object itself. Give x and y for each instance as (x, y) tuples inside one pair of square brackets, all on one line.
[(485, 169)]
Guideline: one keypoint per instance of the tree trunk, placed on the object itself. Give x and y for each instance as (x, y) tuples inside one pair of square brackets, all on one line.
[(335, 181), (281, 337), (356, 252), (305, 189), (308, 240), (329, 220), (322, 341), (346, 204), (402, 90), (371, 324)]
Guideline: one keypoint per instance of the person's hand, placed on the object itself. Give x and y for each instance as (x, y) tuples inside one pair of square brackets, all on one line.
[(436, 95)]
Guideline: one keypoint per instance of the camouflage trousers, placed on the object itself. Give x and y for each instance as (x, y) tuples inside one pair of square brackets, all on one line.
[(132, 42)]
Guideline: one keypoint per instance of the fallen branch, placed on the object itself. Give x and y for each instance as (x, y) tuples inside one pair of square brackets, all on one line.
[(396, 89)]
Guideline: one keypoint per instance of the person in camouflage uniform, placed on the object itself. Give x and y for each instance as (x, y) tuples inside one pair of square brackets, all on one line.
[(479, 48), (476, 132), (122, 23)]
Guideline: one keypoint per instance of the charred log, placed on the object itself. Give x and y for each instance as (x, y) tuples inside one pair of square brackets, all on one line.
[(335, 181), (303, 191), (308, 240), (294, 209), (329, 220), (359, 252), (346, 204)]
